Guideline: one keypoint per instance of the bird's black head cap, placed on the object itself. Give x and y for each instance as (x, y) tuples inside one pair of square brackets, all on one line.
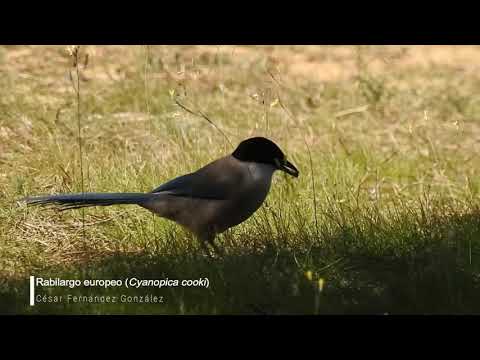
[(262, 150), (258, 149)]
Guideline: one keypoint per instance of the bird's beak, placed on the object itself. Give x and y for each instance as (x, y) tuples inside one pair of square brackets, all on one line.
[(287, 166)]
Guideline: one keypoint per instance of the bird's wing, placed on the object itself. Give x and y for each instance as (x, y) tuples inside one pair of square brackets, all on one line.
[(218, 180)]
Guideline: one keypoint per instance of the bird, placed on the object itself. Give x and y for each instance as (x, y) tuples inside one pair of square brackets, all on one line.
[(207, 202)]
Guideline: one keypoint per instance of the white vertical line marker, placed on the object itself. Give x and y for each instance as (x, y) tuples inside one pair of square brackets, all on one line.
[(32, 290)]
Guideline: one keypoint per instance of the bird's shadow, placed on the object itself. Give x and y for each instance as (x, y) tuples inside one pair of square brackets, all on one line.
[(431, 273), (237, 282)]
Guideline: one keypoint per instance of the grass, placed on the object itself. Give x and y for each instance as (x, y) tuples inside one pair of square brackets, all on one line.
[(384, 217)]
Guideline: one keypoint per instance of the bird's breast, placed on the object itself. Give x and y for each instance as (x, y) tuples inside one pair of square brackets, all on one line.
[(249, 196)]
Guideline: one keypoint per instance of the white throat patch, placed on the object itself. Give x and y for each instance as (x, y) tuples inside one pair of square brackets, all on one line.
[(261, 172)]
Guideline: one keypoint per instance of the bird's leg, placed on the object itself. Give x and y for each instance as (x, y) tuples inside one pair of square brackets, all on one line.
[(217, 250), (209, 237), (204, 238), (205, 248), (211, 240)]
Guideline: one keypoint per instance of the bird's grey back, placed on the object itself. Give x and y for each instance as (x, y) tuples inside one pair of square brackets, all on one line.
[(215, 181)]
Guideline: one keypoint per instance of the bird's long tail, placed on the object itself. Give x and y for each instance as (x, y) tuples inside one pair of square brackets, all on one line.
[(79, 200)]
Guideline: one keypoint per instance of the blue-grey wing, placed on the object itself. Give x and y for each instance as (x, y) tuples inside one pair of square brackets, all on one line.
[(193, 185), (218, 180), (176, 186)]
